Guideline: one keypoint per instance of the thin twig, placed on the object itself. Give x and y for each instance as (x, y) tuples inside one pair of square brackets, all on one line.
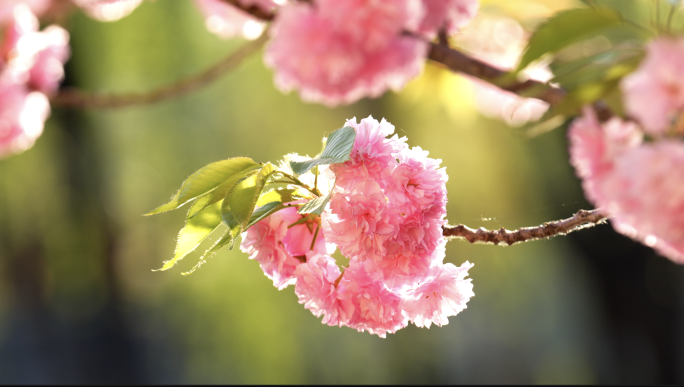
[(460, 62), (73, 98), (253, 10), (582, 219)]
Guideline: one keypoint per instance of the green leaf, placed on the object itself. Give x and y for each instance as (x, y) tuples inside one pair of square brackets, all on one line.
[(241, 201), (337, 150), (205, 180), (315, 206), (566, 28), (264, 211), (195, 231), (233, 226), (221, 243), (224, 188), (283, 195)]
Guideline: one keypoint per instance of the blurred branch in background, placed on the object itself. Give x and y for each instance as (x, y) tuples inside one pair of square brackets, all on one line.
[(74, 98)]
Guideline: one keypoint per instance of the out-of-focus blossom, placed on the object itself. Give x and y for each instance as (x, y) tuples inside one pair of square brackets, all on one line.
[(22, 114), (108, 10), (30, 65), (500, 41), (338, 52), (654, 93), (228, 21), (635, 182), (48, 69), (37, 7), (449, 14)]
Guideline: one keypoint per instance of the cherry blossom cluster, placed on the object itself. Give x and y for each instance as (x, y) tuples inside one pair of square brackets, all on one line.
[(31, 67), (634, 170), (386, 211), (336, 52)]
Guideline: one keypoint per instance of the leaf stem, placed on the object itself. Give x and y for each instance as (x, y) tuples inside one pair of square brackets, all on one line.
[(313, 241), (300, 183)]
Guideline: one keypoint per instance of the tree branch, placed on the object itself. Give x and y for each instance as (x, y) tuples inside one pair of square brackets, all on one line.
[(72, 98), (253, 10), (459, 62), (582, 219)]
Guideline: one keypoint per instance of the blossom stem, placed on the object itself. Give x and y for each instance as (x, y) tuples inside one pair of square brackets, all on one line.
[(313, 241), (314, 190), (72, 98), (581, 219)]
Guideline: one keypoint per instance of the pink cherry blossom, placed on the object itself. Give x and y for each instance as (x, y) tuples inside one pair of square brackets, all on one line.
[(228, 21), (450, 14), (37, 7), (338, 52), (316, 289), (632, 181), (593, 150), (48, 70), (417, 182), (375, 307), (360, 223), (108, 10), (373, 154), (30, 65), (654, 93), (22, 114), (279, 249), (31, 56), (500, 42), (445, 293), (649, 201)]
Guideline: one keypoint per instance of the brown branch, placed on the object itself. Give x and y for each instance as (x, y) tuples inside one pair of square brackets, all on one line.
[(72, 98), (582, 219), (253, 10), (459, 62)]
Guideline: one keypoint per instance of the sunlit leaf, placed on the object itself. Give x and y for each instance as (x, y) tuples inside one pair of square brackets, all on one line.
[(609, 65), (283, 195), (565, 28), (195, 230), (337, 150), (204, 180), (233, 226), (261, 212), (241, 201), (227, 238), (315, 206), (224, 188)]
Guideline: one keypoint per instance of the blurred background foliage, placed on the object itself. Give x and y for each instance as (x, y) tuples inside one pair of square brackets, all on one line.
[(80, 304)]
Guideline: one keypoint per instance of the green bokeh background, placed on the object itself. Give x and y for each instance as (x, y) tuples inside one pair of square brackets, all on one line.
[(79, 301)]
